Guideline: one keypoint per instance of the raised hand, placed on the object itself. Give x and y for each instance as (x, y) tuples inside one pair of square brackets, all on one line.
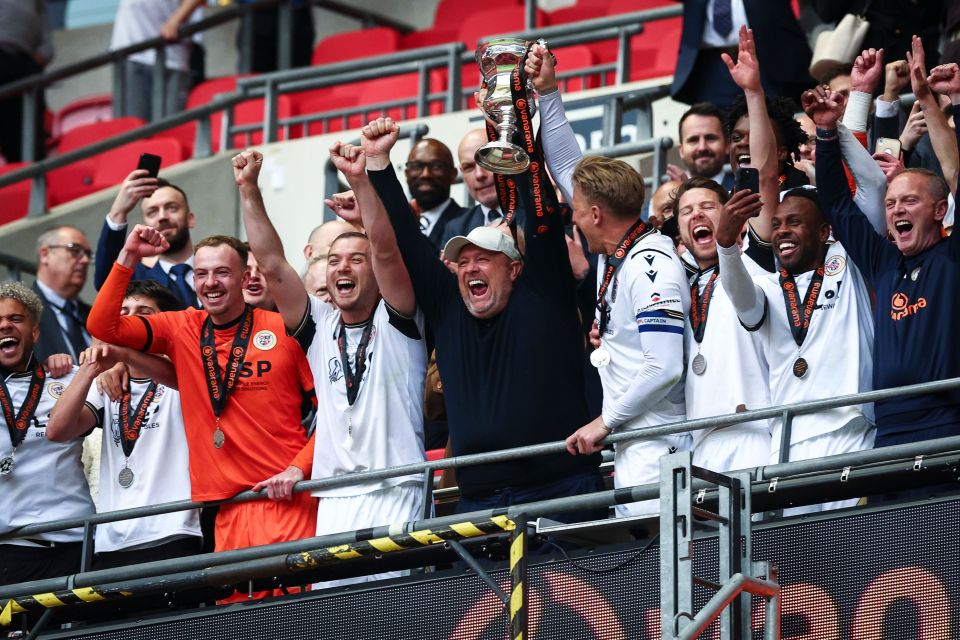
[(825, 107), (676, 173), (246, 167), (915, 128), (945, 80), (746, 71), (917, 61), (896, 77), (345, 205), (866, 70), (138, 184), (890, 166), (348, 159), (541, 67), (143, 242), (377, 140), (741, 206)]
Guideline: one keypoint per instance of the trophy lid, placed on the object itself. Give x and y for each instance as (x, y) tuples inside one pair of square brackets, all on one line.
[(500, 52)]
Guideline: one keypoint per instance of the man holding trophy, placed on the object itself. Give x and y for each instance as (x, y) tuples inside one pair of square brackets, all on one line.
[(506, 326)]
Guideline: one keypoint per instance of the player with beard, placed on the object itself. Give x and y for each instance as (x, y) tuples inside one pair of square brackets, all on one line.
[(812, 324), (430, 172), (367, 353), (165, 208), (242, 384), (39, 478)]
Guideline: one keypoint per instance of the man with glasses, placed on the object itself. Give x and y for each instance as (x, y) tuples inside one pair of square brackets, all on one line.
[(63, 257), (430, 172)]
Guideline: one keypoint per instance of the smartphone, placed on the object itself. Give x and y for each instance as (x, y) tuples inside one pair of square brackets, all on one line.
[(747, 178), (151, 163), (888, 145)]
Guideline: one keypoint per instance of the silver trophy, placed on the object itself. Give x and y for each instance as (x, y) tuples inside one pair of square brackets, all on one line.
[(497, 59)]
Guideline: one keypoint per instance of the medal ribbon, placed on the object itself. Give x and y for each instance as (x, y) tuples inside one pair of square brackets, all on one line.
[(538, 197), (18, 425), (798, 318), (130, 429), (219, 385), (637, 232), (701, 305), (354, 375)]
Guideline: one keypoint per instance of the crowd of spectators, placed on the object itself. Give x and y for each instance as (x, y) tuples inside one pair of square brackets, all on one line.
[(783, 262)]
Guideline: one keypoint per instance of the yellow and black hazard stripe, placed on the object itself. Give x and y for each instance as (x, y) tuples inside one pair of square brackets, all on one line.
[(56, 599), (398, 540), (518, 579)]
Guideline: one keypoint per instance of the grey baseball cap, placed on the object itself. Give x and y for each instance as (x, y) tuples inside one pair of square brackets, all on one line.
[(489, 238)]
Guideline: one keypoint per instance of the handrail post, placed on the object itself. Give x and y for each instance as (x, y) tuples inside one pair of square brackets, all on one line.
[(284, 35), (423, 90), (28, 102), (38, 196), (119, 87), (226, 137), (203, 140), (454, 81), (270, 112), (530, 15), (660, 161), (623, 56), (158, 89), (245, 60), (612, 121), (518, 579)]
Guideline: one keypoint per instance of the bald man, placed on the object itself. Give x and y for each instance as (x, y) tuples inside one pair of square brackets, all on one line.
[(430, 172), (482, 187), (661, 204), (318, 244)]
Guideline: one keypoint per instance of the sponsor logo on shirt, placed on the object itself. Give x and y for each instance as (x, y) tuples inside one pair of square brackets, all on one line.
[(901, 307), (265, 340)]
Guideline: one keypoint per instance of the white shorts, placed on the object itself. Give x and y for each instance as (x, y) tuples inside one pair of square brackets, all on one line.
[(856, 435), (732, 449), (391, 505), (639, 463)]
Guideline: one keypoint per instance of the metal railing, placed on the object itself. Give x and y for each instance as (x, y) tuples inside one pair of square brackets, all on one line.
[(427, 468)]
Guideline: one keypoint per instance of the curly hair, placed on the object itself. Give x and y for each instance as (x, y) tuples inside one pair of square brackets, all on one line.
[(12, 290), (781, 112)]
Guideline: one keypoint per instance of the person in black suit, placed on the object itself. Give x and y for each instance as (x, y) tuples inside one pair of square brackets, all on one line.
[(703, 146), (165, 207), (430, 172), (710, 28), (482, 186), (63, 258)]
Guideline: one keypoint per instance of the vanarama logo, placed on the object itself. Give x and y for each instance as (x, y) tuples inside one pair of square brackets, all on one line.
[(901, 307)]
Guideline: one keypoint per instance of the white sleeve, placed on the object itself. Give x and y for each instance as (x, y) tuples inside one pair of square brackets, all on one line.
[(660, 327), (858, 111), (560, 147), (871, 183), (95, 399), (114, 226), (747, 297)]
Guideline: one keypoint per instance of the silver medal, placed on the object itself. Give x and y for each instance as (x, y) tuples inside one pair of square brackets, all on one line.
[(218, 438), (126, 477), (699, 364), (600, 358), (6, 466)]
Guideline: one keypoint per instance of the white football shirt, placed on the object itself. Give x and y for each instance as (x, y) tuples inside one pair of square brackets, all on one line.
[(384, 427), (160, 465), (47, 481)]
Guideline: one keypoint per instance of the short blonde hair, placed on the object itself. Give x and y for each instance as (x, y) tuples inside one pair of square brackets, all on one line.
[(12, 290), (611, 183)]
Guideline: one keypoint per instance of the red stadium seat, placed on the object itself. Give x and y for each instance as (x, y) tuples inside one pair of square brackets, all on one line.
[(203, 94), (428, 37), (576, 13), (83, 111), (451, 14), (571, 59), (346, 45), (491, 22), (14, 199), (251, 112), (71, 182), (402, 86), (629, 6), (329, 102), (89, 133), (114, 165)]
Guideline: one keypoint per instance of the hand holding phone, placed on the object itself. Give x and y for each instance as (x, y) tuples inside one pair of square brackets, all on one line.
[(747, 178), (150, 163), (888, 145)]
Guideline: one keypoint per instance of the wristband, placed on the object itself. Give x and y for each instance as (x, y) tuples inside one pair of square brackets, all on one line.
[(827, 134)]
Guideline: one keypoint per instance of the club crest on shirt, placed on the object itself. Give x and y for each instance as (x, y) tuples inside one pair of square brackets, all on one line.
[(55, 389), (265, 340), (834, 265), (334, 370)]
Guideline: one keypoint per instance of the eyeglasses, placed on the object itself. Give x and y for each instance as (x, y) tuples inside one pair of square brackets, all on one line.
[(436, 167), (75, 250)]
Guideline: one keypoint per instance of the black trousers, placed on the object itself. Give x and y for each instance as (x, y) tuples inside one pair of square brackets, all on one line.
[(13, 67), (21, 564)]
